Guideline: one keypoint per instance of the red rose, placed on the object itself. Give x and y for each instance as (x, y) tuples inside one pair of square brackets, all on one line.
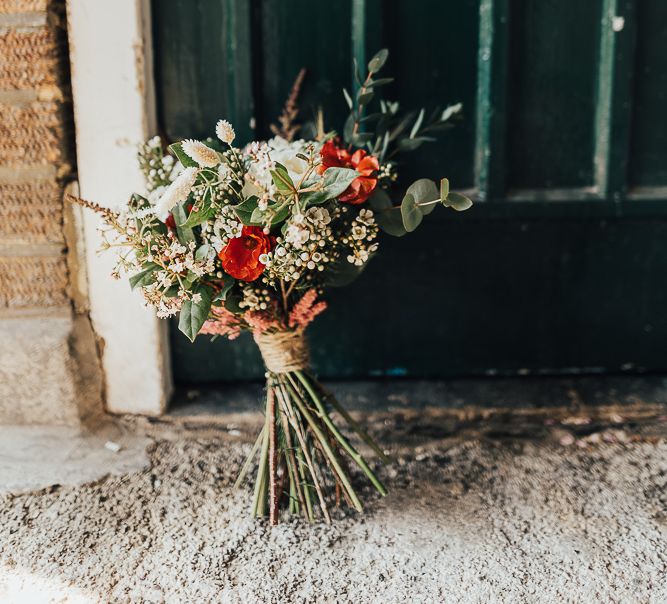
[(367, 165), (240, 257)]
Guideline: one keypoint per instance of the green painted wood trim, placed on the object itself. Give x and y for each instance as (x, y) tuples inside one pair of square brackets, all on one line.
[(239, 94), (367, 35), (491, 98), (618, 34)]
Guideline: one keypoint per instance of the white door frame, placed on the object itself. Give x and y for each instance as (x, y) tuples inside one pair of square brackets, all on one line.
[(114, 110)]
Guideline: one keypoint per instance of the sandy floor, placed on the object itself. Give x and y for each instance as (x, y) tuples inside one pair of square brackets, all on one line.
[(481, 520)]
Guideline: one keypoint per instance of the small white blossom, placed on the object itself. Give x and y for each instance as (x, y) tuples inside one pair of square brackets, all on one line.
[(225, 131), (201, 153)]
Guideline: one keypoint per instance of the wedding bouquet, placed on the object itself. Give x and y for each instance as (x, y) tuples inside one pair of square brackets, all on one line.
[(248, 238)]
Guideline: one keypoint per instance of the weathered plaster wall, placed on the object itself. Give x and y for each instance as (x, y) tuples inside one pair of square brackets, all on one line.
[(49, 369)]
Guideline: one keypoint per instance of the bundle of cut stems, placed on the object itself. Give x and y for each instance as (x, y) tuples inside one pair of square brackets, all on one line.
[(303, 455)]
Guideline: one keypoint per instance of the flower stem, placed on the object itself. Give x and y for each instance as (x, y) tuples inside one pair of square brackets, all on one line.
[(273, 456), (339, 437), (333, 460)]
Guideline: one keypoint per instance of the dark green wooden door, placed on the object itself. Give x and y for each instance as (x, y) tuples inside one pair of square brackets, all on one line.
[(560, 266)]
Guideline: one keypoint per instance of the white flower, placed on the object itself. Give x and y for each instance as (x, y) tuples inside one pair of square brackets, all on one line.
[(225, 131), (358, 231), (201, 153), (319, 216), (224, 172), (176, 192), (296, 235), (196, 298), (366, 216), (284, 152)]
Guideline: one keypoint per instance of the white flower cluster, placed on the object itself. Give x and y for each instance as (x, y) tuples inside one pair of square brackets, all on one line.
[(361, 238), (255, 298), (159, 169), (306, 245), (224, 227)]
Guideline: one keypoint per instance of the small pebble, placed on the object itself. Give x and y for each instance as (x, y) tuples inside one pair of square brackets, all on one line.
[(112, 446)]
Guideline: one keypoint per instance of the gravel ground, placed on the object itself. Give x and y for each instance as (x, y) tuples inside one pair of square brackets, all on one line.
[(467, 520)]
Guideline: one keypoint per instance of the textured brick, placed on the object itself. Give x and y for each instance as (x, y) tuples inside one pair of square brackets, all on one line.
[(31, 212), (33, 281), (30, 59), (23, 6), (32, 134)]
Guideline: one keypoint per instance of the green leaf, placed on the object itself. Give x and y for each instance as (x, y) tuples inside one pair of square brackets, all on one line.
[(196, 218), (348, 128), (144, 277), (182, 156), (410, 213), (450, 111), (417, 124), (203, 252), (194, 314), (424, 190), (444, 188), (457, 202), (336, 180), (277, 212), (380, 82), (282, 180), (342, 273), (185, 234), (410, 144), (365, 97), (387, 216), (233, 301), (377, 62), (348, 98), (245, 209), (228, 283)]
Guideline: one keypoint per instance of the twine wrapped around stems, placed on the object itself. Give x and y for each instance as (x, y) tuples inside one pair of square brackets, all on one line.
[(283, 351)]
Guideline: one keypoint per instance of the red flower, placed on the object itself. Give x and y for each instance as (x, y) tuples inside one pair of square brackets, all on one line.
[(240, 257), (367, 165)]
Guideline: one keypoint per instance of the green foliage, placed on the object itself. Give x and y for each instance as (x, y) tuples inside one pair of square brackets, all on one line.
[(184, 233), (387, 216), (144, 277), (336, 180), (411, 213), (378, 61), (228, 283), (282, 180), (194, 314), (457, 202), (182, 156), (245, 209), (424, 191)]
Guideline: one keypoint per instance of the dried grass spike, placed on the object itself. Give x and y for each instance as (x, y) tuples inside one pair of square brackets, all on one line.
[(288, 128)]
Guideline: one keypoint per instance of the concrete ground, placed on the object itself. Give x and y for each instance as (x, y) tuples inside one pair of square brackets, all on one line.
[(506, 509)]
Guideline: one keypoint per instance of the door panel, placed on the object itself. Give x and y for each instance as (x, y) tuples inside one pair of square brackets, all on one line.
[(558, 267)]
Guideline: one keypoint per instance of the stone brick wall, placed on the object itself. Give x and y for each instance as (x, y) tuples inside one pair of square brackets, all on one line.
[(49, 371)]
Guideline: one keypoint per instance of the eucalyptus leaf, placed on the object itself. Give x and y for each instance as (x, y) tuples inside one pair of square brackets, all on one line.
[(194, 314), (424, 190), (411, 213), (365, 97), (450, 111), (378, 61), (336, 180), (348, 98), (348, 128), (233, 301), (343, 273), (417, 124), (457, 202), (387, 216), (444, 188), (198, 217), (380, 82)]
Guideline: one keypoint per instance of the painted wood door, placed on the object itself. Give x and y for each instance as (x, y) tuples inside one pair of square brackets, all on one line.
[(560, 266)]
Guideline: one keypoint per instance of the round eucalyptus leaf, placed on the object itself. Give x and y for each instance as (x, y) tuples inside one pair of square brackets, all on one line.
[(424, 191), (457, 202), (411, 213)]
